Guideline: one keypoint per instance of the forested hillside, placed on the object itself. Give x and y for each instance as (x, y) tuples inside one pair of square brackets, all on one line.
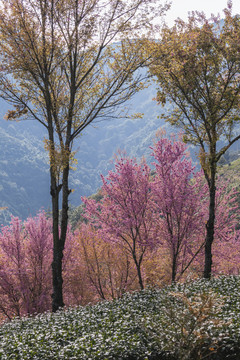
[(24, 178)]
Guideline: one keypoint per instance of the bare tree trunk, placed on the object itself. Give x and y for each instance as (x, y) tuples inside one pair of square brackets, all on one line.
[(57, 298), (138, 266), (59, 239), (210, 224), (174, 268)]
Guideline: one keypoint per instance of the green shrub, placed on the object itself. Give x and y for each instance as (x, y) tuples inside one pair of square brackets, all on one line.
[(184, 321)]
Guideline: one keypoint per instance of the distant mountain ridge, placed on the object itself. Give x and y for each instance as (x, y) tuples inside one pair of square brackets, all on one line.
[(24, 177), (24, 169)]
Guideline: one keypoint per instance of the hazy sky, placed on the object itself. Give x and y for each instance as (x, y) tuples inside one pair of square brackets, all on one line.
[(180, 8)]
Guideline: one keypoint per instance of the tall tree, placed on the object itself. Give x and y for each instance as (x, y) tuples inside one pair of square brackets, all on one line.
[(197, 67), (66, 63)]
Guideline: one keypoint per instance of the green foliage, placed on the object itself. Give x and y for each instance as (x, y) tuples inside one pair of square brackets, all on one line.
[(144, 325)]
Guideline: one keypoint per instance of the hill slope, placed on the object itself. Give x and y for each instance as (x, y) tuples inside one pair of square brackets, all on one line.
[(24, 178), (183, 321)]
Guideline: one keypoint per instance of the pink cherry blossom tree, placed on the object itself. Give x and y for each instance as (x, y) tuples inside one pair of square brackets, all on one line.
[(126, 215), (179, 194), (25, 266)]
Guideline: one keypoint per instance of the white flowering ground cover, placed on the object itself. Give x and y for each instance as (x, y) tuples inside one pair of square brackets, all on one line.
[(196, 320)]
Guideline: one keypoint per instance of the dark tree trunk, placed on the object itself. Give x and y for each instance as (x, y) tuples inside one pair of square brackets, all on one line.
[(210, 224), (59, 239), (138, 266), (57, 295), (174, 268), (57, 298), (140, 280)]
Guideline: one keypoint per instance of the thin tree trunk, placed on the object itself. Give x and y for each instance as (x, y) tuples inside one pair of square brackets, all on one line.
[(174, 268), (210, 224), (65, 195), (140, 280), (138, 266), (59, 239), (57, 298)]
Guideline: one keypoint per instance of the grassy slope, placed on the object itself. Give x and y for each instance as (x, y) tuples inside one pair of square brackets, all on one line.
[(176, 322)]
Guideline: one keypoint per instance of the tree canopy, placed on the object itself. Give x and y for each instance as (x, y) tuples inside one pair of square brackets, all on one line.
[(197, 67), (66, 63)]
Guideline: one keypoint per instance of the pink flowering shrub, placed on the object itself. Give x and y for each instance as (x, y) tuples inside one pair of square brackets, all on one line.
[(25, 266)]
